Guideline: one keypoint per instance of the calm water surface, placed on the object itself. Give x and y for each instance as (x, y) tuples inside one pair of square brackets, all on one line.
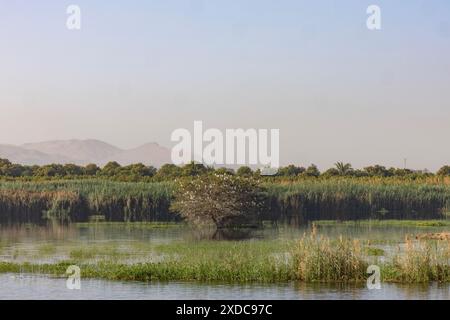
[(15, 286)]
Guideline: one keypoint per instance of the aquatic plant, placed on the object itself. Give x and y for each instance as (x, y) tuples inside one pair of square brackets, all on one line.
[(351, 199), (323, 259), (76, 201), (422, 261), (299, 200), (312, 258)]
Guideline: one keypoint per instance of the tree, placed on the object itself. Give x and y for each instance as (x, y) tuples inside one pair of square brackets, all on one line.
[(312, 171), (400, 172), (444, 171), (151, 171), (221, 199), (343, 169), (331, 172), (50, 170), (110, 169), (12, 170), (193, 169), (377, 170), (28, 171), (73, 170), (91, 169), (168, 170), (360, 173), (290, 171), (138, 170), (244, 171), (225, 171), (4, 162), (4, 165)]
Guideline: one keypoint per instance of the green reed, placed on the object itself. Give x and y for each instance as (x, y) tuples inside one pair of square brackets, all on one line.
[(310, 259), (323, 259), (349, 199), (298, 200), (75, 201)]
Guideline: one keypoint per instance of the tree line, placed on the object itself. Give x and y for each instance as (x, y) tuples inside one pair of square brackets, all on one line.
[(170, 171)]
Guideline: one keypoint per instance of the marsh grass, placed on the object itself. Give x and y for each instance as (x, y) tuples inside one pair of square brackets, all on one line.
[(422, 261), (323, 259), (299, 200), (347, 199), (386, 223), (47, 249), (210, 261), (313, 258), (372, 251), (77, 200), (132, 225)]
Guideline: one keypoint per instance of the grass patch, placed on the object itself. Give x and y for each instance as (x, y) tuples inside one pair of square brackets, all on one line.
[(138, 224), (310, 259), (325, 260), (95, 252), (47, 249), (372, 251), (383, 223)]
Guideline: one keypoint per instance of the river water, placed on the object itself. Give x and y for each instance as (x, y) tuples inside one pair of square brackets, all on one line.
[(25, 286)]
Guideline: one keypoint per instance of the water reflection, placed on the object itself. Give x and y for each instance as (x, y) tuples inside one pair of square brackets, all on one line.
[(122, 231), (132, 242), (226, 234), (16, 286)]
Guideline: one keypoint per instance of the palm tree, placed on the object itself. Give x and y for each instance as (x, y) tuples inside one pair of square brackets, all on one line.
[(343, 168)]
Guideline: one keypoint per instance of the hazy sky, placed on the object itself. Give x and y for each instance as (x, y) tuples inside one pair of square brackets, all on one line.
[(137, 70)]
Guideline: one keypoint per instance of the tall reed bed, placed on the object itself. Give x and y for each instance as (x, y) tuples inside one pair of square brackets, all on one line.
[(300, 200), (347, 199), (34, 206), (23, 202), (421, 261), (325, 260)]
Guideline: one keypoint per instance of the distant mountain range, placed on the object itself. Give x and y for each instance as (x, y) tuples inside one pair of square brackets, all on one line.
[(83, 152)]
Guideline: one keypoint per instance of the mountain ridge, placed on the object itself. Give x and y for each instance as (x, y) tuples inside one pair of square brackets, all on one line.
[(82, 152)]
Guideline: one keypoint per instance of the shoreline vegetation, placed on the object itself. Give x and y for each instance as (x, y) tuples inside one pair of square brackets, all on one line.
[(313, 258), (293, 201), (71, 193)]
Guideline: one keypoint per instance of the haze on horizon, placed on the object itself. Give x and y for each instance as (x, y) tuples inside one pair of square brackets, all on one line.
[(137, 71)]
